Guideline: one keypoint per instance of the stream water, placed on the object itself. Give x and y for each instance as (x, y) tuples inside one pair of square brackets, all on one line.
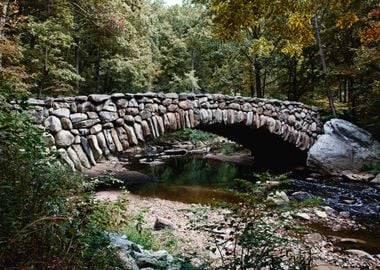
[(193, 179), (188, 179)]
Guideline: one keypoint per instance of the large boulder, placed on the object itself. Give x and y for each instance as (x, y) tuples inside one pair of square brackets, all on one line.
[(344, 146)]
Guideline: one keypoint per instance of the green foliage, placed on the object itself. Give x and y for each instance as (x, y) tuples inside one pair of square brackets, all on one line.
[(229, 148), (96, 251), (372, 168), (43, 206), (106, 180), (265, 183), (255, 48), (188, 134), (188, 83), (110, 215), (142, 237), (113, 216), (244, 186), (311, 202), (194, 135), (267, 176), (258, 245)]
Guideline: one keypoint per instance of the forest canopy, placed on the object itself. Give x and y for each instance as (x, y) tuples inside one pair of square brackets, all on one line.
[(309, 51)]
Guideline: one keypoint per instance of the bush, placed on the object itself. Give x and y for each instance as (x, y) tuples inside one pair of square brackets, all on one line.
[(257, 245), (188, 134), (43, 206)]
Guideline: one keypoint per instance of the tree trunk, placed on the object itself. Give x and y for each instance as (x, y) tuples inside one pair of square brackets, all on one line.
[(264, 81), (45, 73), (259, 93), (3, 21), (345, 89), (324, 68), (77, 60), (294, 79), (352, 98), (192, 67), (251, 80), (97, 69)]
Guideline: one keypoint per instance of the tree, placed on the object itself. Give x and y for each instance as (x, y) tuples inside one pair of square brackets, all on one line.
[(266, 24), (47, 41), (12, 73)]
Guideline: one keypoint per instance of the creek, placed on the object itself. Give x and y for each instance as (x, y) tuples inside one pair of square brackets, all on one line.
[(194, 179)]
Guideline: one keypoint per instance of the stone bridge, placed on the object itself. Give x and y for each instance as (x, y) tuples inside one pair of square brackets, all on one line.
[(87, 129)]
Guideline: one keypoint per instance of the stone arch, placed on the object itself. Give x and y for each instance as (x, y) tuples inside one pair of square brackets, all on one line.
[(86, 129)]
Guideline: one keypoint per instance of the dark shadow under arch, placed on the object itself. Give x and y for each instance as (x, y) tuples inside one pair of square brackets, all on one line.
[(270, 150)]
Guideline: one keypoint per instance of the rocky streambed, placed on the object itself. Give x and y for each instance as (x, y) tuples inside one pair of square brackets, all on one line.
[(341, 233), (196, 230)]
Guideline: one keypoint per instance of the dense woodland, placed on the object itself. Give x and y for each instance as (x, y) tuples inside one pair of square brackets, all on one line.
[(296, 50), (324, 53)]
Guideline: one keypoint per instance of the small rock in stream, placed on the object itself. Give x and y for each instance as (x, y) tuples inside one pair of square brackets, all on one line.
[(176, 152), (301, 196), (345, 214)]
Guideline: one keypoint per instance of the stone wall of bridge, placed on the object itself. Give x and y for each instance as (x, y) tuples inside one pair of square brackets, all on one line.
[(87, 129)]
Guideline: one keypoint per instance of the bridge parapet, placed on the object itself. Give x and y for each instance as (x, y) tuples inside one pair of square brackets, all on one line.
[(86, 129)]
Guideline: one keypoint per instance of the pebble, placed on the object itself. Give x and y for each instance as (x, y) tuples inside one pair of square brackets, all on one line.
[(320, 214), (313, 237), (345, 214), (330, 211), (303, 216)]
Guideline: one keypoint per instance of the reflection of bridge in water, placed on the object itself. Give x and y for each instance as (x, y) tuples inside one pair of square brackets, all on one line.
[(86, 129)]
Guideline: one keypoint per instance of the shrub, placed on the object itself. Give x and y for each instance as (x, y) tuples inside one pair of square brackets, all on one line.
[(257, 245), (44, 207)]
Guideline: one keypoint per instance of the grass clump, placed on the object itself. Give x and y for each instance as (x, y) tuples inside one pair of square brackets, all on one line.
[(113, 216)]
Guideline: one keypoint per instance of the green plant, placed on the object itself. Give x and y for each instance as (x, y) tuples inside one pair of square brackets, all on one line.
[(267, 176), (43, 206), (187, 134), (139, 218), (107, 180), (310, 202), (229, 148), (110, 215), (372, 168), (143, 237), (96, 250), (193, 135), (244, 186), (256, 245)]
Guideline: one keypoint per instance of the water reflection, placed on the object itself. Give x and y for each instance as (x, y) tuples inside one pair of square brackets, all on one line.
[(189, 179)]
